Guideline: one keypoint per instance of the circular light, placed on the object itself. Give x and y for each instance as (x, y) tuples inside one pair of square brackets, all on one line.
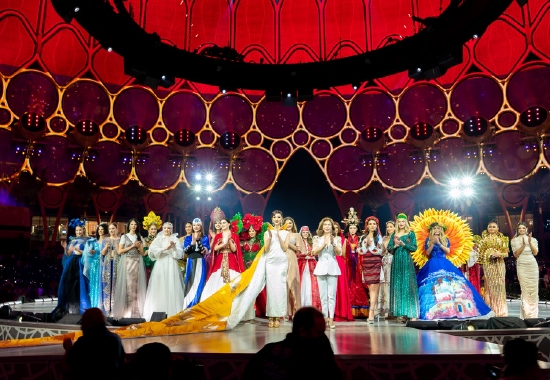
[(76, 9), (184, 137), (33, 122), (289, 95), (209, 188), (224, 91), (422, 131), (198, 177), (209, 177), (209, 198), (475, 126), (532, 117), (163, 77), (136, 135), (475, 36), (418, 70), (87, 128), (454, 193), (467, 181), (230, 140), (109, 49), (468, 192), (198, 187), (372, 134), (454, 182), (198, 198)]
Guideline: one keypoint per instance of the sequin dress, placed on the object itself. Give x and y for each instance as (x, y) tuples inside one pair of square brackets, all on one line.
[(109, 267), (403, 287)]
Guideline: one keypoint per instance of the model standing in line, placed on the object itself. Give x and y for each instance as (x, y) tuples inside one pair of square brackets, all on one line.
[(525, 247)]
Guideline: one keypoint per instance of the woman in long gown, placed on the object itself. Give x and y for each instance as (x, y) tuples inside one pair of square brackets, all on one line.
[(327, 247), (251, 238), (293, 276), (276, 267), (92, 265), (443, 290), (227, 260), (525, 247), (404, 287), (387, 259), (214, 228), (70, 298), (306, 267), (151, 223), (196, 248), (165, 290), (131, 285), (358, 294), (370, 259), (109, 267), (342, 311), (493, 248)]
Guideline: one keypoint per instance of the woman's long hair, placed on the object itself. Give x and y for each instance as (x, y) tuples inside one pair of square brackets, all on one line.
[(320, 231)]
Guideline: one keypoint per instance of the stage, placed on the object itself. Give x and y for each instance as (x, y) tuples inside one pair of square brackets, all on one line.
[(383, 350)]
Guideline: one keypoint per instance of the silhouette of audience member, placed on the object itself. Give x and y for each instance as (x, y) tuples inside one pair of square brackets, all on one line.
[(98, 353), (521, 360), (305, 353)]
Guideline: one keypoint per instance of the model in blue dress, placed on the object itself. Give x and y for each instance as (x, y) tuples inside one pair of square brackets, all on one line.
[(195, 246), (443, 290)]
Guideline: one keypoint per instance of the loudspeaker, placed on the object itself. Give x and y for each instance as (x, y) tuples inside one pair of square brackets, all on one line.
[(71, 319), (158, 316), (506, 323), (129, 321), (532, 322), (423, 325)]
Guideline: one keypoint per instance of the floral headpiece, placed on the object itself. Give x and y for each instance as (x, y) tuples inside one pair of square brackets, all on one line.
[(437, 224), (402, 216), (236, 224), (255, 222), (352, 218), (244, 224), (77, 222), (151, 218), (372, 218)]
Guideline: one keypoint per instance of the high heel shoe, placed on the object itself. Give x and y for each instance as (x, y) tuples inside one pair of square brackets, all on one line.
[(371, 321), (332, 327), (276, 323), (271, 323)]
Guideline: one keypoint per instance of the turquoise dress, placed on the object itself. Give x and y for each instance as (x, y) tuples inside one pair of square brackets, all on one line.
[(92, 271), (403, 286)]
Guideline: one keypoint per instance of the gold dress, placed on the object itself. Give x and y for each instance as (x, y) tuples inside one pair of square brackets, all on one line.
[(494, 269)]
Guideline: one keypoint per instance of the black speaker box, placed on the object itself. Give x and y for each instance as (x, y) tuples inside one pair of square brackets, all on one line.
[(158, 316), (423, 325), (129, 321), (71, 319), (495, 323), (532, 322)]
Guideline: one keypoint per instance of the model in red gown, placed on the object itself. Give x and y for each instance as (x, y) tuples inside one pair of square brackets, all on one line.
[(342, 312), (306, 266)]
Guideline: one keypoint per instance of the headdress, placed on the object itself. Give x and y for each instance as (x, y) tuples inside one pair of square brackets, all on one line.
[(255, 222), (77, 222), (216, 215), (151, 218), (351, 218), (437, 224), (242, 225), (304, 229), (402, 216), (372, 218), (458, 232), (197, 221), (236, 223)]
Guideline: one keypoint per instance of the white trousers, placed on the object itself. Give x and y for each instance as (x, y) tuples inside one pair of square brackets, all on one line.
[(327, 292)]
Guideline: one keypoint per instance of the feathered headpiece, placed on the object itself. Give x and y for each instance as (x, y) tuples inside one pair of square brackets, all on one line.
[(152, 218), (77, 222), (458, 232)]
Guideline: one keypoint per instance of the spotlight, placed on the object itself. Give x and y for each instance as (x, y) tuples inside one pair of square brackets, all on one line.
[(454, 182), (419, 70), (355, 86), (289, 95), (163, 77), (198, 188), (209, 177), (467, 181), (198, 198), (109, 49), (209, 198), (468, 192), (475, 36), (454, 193), (76, 9), (209, 188), (198, 177)]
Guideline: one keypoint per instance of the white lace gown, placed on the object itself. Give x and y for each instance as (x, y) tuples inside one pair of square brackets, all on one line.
[(528, 276), (165, 291)]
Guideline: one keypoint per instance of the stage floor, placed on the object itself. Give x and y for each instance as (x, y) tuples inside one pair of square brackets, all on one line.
[(385, 349)]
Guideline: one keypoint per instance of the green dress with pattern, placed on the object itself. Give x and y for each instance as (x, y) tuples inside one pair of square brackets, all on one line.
[(403, 285)]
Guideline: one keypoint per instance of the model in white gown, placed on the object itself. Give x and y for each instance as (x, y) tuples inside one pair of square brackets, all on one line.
[(165, 291), (525, 248)]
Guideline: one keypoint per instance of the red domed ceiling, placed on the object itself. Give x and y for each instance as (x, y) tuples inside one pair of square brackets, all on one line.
[(54, 71)]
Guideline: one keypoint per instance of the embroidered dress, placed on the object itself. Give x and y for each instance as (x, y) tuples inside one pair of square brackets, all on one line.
[(385, 280), (131, 284), (225, 266), (196, 270), (306, 267), (109, 267), (494, 270), (92, 271), (358, 294), (343, 311), (404, 287), (371, 261), (444, 292)]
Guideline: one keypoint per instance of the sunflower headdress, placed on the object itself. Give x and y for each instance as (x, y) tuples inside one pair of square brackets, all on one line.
[(151, 218), (456, 229)]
